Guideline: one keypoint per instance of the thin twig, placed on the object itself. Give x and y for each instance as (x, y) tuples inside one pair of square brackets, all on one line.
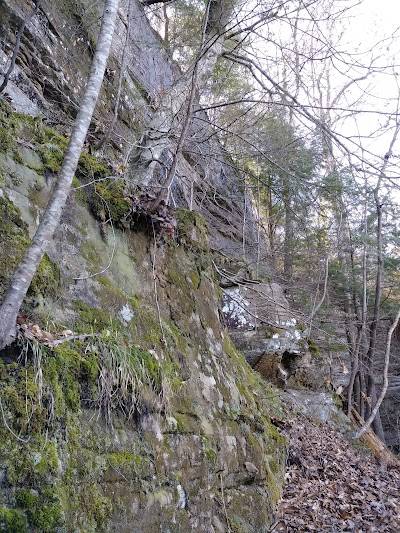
[(117, 471), (113, 177), (81, 337), (153, 262)]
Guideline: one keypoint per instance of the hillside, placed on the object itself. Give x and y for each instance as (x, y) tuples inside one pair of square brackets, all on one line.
[(169, 321), (332, 485)]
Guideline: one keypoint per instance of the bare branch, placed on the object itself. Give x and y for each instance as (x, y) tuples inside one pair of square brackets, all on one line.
[(385, 384), (24, 22)]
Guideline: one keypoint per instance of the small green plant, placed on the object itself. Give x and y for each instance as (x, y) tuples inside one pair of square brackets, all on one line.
[(130, 378), (210, 454), (44, 511)]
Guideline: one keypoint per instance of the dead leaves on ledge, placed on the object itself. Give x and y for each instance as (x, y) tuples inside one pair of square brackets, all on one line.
[(33, 332)]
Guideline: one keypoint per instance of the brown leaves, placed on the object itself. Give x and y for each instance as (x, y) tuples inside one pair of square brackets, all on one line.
[(33, 332), (161, 218), (329, 486)]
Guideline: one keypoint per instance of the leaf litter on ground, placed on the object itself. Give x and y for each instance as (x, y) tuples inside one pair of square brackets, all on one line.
[(331, 485)]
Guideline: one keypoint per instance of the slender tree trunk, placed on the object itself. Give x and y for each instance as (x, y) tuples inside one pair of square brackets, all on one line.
[(377, 421), (271, 225), (378, 402), (26, 269), (363, 389), (372, 408), (371, 354), (166, 29), (357, 393), (359, 352), (18, 44), (378, 290), (289, 235)]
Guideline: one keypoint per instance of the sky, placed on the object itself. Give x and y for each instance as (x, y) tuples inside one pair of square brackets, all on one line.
[(368, 23), (374, 22), (369, 30)]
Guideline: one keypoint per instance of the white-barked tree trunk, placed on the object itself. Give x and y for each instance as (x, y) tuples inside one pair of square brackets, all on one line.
[(29, 263)]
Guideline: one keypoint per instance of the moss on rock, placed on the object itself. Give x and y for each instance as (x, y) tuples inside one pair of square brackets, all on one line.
[(44, 509), (108, 200), (14, 239), (12, 521), (90, 318), (192, 230), (47, 280), (180, 402)]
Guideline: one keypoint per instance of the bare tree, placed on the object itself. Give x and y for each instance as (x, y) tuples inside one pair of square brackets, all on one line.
[(26, 269)]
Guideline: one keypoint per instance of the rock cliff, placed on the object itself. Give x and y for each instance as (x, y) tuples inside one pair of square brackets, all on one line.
[(125, 406), (148, 418)]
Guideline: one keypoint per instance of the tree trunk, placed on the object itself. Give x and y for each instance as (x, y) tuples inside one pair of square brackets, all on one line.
[(377, 421), (288, 243), (374, 417), (357, 393), (26, 269), (271, 224)]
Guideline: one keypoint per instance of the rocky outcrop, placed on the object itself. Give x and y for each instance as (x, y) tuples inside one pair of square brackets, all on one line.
[(264, 328), (52, 68), (148, 419)]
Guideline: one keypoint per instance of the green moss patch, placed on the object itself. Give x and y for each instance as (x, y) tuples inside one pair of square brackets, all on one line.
[(14, 239), (9, 127), (107, 200), (192, 230), (12, 521), (90, 319), (44, 509), (47, 279)]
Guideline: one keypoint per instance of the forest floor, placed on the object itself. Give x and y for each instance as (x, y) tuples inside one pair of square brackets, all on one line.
[(330, 485)]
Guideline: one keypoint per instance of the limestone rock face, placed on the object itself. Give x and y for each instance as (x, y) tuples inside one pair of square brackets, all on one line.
[(49, 79), (318, 405), (109, 450)]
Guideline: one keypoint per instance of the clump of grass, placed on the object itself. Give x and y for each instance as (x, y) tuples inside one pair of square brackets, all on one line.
[(131, 379), (107, 372)]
